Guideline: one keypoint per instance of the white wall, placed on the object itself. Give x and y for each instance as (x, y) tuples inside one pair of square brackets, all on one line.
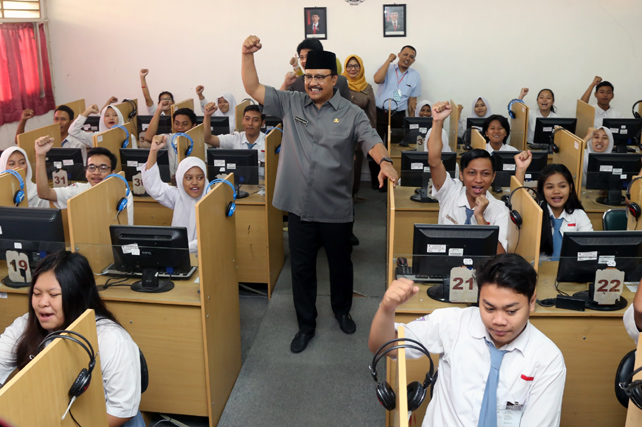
[(465, 48)]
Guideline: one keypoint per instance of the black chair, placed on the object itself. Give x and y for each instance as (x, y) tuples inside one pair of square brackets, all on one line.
[(627, 365), (144, 373), (614, 219)]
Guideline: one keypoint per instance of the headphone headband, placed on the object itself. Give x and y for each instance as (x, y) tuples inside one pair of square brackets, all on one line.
[(17, 175), (510, 104), (216, 181), (508, 202), (121, 178), (635, 113), (20, 194), (89, 349), (414, 344), (126, 141), (191, 143), (628, 187), (393, 100)]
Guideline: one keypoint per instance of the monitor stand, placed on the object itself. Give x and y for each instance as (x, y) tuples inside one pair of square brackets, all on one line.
[(497, 188), (440, 292), (590, 304), (240, 194), (11, 284), (421, 194), (151, 283)]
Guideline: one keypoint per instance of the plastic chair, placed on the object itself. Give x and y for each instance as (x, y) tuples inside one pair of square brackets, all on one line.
[(614, 219), (622, 374)]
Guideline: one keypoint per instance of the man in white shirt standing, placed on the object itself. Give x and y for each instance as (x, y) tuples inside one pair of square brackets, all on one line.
[(604, 93), (250, 139), (495, 367)]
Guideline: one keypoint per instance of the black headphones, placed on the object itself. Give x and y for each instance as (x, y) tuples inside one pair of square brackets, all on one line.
[(126, 140), (515, 217), (633, 389), (633, 208), (82, 381), (122, 202), (416, 390), (635, 113), (393, 110), (510, 104), (554, 146), (467, 137), (231, 207), (191, 143), (20, 194), (134, 110)]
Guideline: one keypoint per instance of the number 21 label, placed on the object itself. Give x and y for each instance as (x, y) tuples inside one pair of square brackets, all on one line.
[(463, 287)]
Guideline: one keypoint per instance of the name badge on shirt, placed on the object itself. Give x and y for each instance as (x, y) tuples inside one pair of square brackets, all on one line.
[(397, 95), (304, 122), (510, 416), (573, 225)]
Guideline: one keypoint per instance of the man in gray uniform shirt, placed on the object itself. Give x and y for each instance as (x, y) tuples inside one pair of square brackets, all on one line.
[(314, 180)]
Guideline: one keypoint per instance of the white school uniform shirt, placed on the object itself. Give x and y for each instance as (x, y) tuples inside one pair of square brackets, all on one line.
[(629, 324), (532, 372), (238, 141), (531, 123), (119, 363), (576, 221), (65, 193), (444, 140), (453, 203), (30, 187), (231, 113), (505, 147), (72, 142), (600, 114), (87, 138)]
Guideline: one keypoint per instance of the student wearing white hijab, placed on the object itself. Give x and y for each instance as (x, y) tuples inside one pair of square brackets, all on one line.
[(14, 158), (191, 180), (109, 117), (598, 140), (420, 111), (480, 109), (227, 107)]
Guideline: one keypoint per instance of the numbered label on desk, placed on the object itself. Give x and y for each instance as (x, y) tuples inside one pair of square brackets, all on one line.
[(18, 265), (59, 178), (463, 287), (608, 286), (137, 184)]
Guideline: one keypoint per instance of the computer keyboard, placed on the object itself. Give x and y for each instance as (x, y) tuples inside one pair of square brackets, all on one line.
[(111, 271), (406, 273), (539, 146)]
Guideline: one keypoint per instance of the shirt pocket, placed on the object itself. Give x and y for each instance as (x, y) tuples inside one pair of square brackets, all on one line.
[(518, 393)]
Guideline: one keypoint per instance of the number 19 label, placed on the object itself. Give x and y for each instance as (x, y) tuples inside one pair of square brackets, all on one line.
[(18, 265), (463, 287)]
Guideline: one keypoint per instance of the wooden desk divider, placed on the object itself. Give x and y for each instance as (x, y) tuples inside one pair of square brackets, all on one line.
[(182, 143), (38, 394), (390, 255), (78, 107), (525, 241), (27, 141), (585, 115), (9, 185), (238, 114), (90, 215), (634, 414), (399, 384), (125, 109), (219, 295), (188, 103), (519, 126), (636, 197), (112, 139), (454, 127), (477, 140), (274, 216), (571, 155)]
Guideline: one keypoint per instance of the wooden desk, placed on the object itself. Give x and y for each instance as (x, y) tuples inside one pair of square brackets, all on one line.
[(594, 210), (592, 343), (147, 211)]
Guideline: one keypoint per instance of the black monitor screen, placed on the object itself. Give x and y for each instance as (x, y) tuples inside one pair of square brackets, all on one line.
[(612, 172), (625, 131), (91, 124), (437, 248), (505, 166), (271, 122), (68, 159), (475, 121), (415, 129), (164, 124), (219, 125), (243, 163), (34, 231), (414, 165), (584, 252), (133, 160), (544, 127)]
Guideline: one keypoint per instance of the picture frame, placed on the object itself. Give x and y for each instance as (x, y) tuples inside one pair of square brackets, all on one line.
[(318, 16), (394, 20)]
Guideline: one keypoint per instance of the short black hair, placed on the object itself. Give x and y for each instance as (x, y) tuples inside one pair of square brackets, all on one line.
[(552, 96), (312, 44), (66, 109), (604, 83), (160, 95), (473, 154), (256, 108), (102, 151), (410, 47), (508, 271), (186, 112), (503, 121)]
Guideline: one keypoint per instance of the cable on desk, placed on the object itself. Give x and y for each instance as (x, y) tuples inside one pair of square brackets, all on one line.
[(116, 282)]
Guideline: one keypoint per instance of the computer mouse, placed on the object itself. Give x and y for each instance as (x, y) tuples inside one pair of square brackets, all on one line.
[(402, 262)]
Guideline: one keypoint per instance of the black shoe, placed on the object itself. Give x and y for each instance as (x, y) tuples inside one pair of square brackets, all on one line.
[(354, 240), (346, 323), (300, 341)]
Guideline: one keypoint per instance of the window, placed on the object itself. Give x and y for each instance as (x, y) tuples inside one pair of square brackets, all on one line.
[(20, 9)]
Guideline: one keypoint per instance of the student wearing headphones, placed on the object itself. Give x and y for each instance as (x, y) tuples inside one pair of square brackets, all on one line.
[(191, 179), (604, 94), (100, 163), (109, 117), (62, 288), (249, 139), (493, 363), (16, 158), (465, 201)]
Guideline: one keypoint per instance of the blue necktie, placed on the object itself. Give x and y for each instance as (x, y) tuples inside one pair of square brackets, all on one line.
[(250, 146), (557, 237), (469, 214), (488, 413)]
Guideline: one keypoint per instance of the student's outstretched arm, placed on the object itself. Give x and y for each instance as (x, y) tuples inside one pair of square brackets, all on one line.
[(153, 123), (523, 93), (110, 101), (26, 115), (587, 95), (210, 139), (440, 111), (250, 78), (43, 145), (143, 84), (380, 75), (158, 142), (522, 162)]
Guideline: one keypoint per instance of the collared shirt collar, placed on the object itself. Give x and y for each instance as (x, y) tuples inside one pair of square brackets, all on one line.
[(479, 331), (334, 101), (565, 216), (462, 200), (396, 65)]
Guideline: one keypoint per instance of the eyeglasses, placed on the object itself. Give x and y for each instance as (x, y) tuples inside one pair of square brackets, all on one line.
[(101, 168), (355, 66), (319, 78), (166, 99), (303, 57)]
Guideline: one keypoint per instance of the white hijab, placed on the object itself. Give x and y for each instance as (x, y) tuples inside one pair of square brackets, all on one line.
[(231, 113), (589, 149), (185, 206), (489, 112), (420, 105), (32, 190), (103, 127)]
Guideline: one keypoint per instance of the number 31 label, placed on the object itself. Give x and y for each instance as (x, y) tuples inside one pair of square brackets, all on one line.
[(608, 286), (463, 287), (18, 265)]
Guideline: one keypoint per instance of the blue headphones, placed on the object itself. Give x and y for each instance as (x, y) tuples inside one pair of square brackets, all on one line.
[(510, 104), (122, 203), (191, 143), (231, 207), (126, 141), (20, 194)]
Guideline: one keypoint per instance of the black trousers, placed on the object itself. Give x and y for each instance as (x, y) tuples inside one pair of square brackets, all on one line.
[(306, 238), (396, 121)]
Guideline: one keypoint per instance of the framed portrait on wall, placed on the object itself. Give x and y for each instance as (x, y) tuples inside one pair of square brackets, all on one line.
[(315, 20), (394, 20)]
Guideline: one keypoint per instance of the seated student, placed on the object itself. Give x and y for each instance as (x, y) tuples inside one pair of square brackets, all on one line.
[(492, 361), (604, 95), (563, 210), (149, 102), (633, 316), (545, 101), (226, 106), (250, 139), (63, 115), (465, 201), (100, 163), (191, 180), (109, 117), (15, 158), (424, 110), (496, 130), (598, 140), (62, 288), (480, 109)]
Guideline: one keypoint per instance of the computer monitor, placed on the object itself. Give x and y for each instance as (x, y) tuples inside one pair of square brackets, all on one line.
[(544, 127), (219, 125), (584, 252), (475, 122), (505, 167), (150, 250), (414, 129), (68, 159), (133, 160), (91, 124), (437, 248), (164, 124), (415, 172), (36, 232), (611, 172), (271, 122), (625, 132), (243, 163)]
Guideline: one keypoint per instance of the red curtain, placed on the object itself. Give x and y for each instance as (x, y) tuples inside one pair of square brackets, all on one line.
[(22, 83)]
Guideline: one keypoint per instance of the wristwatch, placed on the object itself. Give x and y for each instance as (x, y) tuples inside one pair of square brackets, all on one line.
[(385, 159)]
